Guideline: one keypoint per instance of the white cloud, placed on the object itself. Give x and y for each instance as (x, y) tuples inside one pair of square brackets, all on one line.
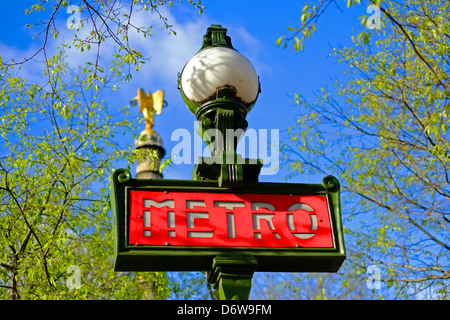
[(250, 47), (31, 70), (167, 53)]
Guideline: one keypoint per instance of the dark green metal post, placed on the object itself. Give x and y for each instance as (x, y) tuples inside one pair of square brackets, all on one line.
[(231, 277)]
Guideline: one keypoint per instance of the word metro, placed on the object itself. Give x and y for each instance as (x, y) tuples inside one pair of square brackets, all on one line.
[(208, 219)]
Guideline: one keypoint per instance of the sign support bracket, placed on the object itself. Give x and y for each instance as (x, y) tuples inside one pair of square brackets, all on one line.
[(231, 277)]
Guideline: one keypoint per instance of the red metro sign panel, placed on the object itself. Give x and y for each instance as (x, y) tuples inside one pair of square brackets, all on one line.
[(208, 219), (183, 225)]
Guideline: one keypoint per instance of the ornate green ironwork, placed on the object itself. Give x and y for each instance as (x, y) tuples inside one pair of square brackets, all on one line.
[(231, 277), (216, 36), (223, 116)]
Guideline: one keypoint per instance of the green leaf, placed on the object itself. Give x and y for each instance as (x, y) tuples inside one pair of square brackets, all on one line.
[(278, 42), (303, 18), (296, 43), (366, 38)]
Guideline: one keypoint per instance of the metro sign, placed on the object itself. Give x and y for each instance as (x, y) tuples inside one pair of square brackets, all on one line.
[(173, 225), (229, 220)]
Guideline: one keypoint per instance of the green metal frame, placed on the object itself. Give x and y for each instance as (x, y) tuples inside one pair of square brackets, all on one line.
[(168, 258)]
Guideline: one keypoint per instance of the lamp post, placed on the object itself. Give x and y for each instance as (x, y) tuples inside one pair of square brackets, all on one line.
[(220, 86), (224, 220)]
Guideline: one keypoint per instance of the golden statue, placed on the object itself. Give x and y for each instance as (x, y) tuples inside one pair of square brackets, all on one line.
[(148, 105)]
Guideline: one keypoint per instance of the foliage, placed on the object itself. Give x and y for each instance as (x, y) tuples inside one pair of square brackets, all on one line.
[(59, 141), (188, 286), (101, 21), (307, 286), (57, 150), (384, 133)]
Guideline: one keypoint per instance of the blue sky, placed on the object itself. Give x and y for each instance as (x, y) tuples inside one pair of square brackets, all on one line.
[(253, 26)]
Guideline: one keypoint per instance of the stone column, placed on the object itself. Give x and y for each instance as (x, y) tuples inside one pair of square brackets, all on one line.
[(148, 167)]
